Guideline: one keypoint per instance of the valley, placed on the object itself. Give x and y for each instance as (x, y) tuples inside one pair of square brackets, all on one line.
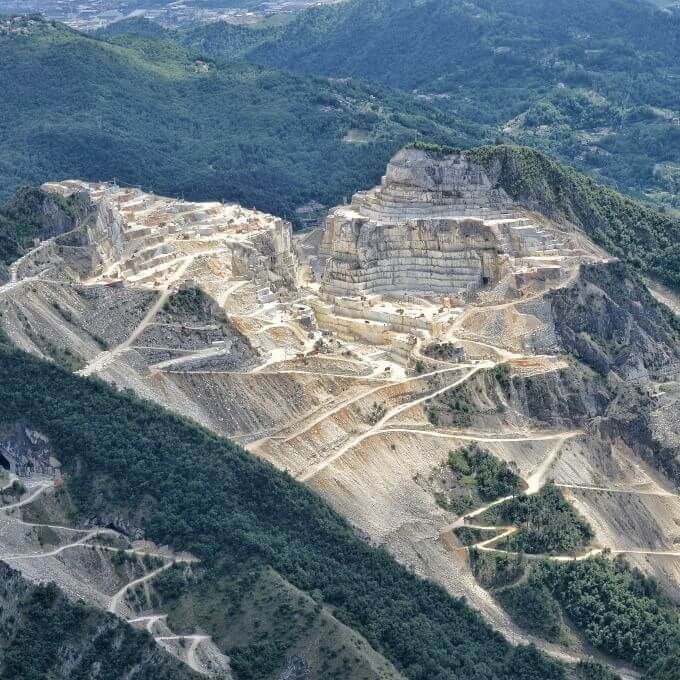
[(593, 84), (428, 313)]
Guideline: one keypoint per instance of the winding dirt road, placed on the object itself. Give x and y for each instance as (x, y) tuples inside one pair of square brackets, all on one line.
[(391, 414), (101, 360), (118, 597), (41, 487)]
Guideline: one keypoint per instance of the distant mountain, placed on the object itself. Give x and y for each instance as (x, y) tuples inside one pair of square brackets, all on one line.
[(150, 112), (596, 83)]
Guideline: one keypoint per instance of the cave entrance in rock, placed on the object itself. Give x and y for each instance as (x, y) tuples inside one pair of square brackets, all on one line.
[(4, 463)]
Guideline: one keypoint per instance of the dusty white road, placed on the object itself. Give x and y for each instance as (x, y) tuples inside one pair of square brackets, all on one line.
[(390, 415)]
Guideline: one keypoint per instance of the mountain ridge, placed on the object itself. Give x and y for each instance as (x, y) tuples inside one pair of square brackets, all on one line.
[(591, 83)]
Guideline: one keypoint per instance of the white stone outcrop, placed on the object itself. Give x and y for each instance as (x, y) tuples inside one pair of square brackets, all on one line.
[(141, 237), (431, 226)]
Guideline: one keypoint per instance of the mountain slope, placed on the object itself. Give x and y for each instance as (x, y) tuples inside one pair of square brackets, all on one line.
[(195, 491), (644, 238), (148, 112), (278, 575), (460, 44), (44, 635)]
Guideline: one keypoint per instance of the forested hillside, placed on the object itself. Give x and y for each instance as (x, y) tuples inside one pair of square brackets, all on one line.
[(32, 213), (645, 239), (593, 82), (148, 112), (616, 608)]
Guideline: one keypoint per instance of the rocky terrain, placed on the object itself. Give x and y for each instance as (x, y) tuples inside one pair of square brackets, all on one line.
[(438, 228), (436, 311)]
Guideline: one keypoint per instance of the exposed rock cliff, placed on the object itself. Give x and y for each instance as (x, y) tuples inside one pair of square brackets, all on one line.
[(36, 214), (436, 223), (54, 215), (612, 323)]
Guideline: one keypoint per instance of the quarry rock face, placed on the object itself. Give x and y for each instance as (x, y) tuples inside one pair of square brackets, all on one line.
[(268, 257), (137, 236), (107, 231), (52, 216), (429, 183), (439, 255), (435, 224)]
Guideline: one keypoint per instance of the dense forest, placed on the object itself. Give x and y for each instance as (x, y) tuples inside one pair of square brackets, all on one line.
[(617, 609), (149, 112), (31, 213), (491, 477), (201, 493), (473, 475), (630, 618), (546, 522)]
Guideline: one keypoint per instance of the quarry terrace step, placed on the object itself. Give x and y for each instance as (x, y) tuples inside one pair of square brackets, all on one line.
[(401, 194), (411, 232), (402, 215), (430, 197), (428, 202), (144, 265), (148, 275), (404, 286), (141, 241), (150, 251)]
